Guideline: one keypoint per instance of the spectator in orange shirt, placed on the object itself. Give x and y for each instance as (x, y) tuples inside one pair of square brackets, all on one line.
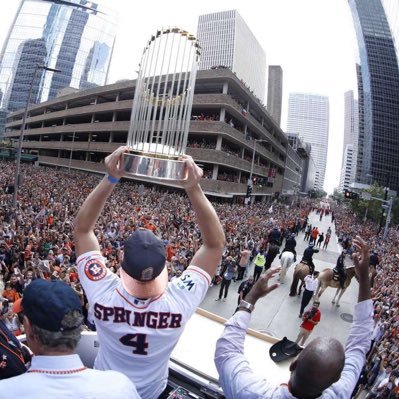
[(50, 220), (10, 293), (170, 251), (313, 235)]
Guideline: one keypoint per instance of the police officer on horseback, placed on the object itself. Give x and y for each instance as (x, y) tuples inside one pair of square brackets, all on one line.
[(307, 257), (290, 245), (340, 269)]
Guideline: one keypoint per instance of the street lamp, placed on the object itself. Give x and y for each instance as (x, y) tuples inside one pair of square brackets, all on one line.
[(21, 133), (250, 183)]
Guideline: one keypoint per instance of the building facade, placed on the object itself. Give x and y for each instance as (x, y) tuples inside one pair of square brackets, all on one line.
[(75, 37), (351, 133), (80, 129), (304, 177), (292, 173), (348, 167), (227, 41), (308, 116), (391, 8), (378, 85), (275, 92)]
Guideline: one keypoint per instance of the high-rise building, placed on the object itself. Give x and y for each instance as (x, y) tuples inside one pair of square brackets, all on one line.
[(351, 132), (74, 36), (391, 8), (308, 116), (378, 85), (275, 92), (348, 166), (227, 41)]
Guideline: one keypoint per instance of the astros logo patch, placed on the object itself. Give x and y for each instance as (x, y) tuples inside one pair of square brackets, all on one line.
[(95, 270)]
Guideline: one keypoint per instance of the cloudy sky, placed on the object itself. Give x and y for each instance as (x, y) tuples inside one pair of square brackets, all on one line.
[(313, 41)]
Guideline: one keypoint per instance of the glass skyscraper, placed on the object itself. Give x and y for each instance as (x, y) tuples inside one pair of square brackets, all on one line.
[(378, 85), (308, 118), (74, 36)]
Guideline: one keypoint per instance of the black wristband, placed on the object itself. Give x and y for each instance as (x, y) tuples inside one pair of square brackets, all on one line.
[(241, 308)]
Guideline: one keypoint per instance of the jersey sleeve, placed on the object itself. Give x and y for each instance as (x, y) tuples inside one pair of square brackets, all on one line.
[(189, 290), (96, 279)]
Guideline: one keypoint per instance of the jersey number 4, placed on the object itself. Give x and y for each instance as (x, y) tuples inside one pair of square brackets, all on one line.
[(137, 341)]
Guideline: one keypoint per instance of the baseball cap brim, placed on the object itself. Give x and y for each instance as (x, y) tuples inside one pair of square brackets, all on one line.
[(283, 350), (145, 289)]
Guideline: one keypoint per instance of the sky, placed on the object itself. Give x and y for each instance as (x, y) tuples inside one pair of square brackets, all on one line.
[(313, 41)]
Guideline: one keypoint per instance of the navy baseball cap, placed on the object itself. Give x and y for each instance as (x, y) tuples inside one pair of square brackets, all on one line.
[(143, 272), (45, 303)]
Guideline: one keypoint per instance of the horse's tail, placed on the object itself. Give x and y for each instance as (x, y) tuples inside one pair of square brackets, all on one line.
[(294, 284)]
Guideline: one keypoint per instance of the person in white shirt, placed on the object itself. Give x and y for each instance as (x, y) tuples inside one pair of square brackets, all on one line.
[(140, 317), (311, 286), (53, 319), (322, 370)]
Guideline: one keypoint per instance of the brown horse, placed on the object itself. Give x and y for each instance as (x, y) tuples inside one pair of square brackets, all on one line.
[(300, 272), (326, 280)]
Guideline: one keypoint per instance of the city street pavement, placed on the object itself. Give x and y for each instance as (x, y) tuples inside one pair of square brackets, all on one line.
[(277, 314)]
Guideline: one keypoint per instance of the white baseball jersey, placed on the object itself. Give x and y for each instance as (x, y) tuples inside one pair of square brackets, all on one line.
[(137, 337)]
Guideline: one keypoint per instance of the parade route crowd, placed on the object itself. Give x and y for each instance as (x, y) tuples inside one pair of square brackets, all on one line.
[(36, 241)]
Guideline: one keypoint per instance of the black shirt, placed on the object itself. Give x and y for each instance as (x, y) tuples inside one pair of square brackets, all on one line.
[(245, 287)]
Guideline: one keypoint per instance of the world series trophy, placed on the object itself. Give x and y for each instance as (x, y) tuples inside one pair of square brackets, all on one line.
[(162, 104)]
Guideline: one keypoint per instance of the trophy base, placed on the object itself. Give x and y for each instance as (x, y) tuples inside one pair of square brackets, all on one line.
[(151, 165)]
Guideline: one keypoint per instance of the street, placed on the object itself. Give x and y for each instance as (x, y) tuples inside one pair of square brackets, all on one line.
[(277, 314)]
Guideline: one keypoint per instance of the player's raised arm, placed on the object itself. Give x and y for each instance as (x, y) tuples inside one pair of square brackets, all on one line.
[(209, 254), (91, 209)]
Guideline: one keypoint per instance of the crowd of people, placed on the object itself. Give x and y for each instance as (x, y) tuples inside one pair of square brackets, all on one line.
[(380, 375), (36, 242)]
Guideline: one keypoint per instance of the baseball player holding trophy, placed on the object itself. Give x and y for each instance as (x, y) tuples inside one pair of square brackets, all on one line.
[(140, 316)]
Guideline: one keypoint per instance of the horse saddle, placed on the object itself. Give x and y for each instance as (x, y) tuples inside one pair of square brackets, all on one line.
[(337, 274)]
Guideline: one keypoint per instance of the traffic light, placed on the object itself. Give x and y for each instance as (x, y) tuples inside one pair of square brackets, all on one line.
[(249, 191), (350, 194)]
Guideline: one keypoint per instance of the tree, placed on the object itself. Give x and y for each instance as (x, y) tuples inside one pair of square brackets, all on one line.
[(338, 196), (371, 209)]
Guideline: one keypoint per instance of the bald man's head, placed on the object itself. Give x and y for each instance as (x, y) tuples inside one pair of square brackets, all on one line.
[(317, 367)]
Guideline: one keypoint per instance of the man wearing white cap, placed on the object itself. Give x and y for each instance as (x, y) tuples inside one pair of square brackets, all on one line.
[(140, 317)]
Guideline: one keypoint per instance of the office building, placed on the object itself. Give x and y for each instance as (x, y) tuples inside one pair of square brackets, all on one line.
[(391, 8), (308, 116), (348, 166), (78, 130), (378, 86), (75, 36), (304, 177), (227, 41), (351, 132), (275, 92)]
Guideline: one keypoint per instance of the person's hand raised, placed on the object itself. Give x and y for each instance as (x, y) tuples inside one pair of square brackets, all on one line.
[(261, 288), (113, 162), (193, 173), (361, 258)]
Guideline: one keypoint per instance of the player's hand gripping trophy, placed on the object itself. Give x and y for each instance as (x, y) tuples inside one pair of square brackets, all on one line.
[(162, 105)]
